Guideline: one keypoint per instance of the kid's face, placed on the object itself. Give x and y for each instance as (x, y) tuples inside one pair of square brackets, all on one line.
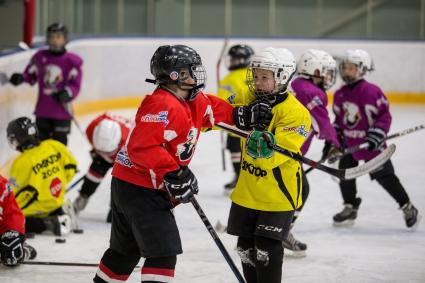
[(349, 70), (56, 40), (264, 80)]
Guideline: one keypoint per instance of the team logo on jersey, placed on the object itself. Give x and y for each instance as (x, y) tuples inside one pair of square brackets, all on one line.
[(299, 130), (161, 117), (314, 102), (56, 187), (52, 77), (351, 114), (185, 150), (251, 169), (123, 159)]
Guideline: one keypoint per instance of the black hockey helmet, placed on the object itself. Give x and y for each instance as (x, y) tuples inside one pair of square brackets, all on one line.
[(57, 28), (170, 64), (22, 133), (239, 56)]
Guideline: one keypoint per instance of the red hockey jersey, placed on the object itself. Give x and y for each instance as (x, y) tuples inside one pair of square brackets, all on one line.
[(125, 125), (165, 136), (11, 217)]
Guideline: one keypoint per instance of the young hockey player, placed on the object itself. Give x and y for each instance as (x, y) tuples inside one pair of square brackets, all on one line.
[(269, 190), (39, 176), (234, 89), (362, 115), (13, 248), (155, 160), (107, 134), (317, 73), (58, 74)]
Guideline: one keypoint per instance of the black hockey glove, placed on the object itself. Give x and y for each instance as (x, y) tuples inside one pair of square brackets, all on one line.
[(331, 153), (181, 184), (256, 115), (11, 248), (62, 96), (16, 79), (375, 137)]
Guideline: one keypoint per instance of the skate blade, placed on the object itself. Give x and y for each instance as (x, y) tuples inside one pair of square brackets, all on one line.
[(294, 254), (346, 223)]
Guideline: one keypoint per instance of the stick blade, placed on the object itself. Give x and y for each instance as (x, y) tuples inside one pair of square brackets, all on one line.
[(371, 165)]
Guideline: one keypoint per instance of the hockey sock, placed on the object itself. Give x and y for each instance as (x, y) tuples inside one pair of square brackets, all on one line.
[(115, 267), (246, 252), (159, 269), (268, 259), (392, 185)]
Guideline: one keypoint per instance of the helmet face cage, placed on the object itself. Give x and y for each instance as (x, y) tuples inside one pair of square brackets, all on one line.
[(280, 61), (175, 65), (361, 59)]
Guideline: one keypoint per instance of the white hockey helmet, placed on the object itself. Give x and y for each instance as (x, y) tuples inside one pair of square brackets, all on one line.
[(278, 60), (361, 59), (107, 136), (314, 60)]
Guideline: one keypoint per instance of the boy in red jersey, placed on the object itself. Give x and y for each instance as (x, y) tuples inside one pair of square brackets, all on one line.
[(107, 134), (153, 165)]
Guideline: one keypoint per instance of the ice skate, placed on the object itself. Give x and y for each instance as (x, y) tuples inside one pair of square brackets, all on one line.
[(346, 217), (296, 248), (411, 215)]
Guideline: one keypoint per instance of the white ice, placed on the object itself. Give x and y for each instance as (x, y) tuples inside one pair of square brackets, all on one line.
[(378, 248)]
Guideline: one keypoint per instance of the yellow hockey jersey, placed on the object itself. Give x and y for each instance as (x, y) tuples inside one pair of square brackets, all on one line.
[(39, 177), (274, 184), (234, 88)]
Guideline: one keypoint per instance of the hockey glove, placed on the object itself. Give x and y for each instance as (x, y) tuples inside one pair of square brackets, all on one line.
[(181, 184), (16, 79), (11, 248), (375, 137), (258, 144), (62, 96), (331, 153), (256, 115)]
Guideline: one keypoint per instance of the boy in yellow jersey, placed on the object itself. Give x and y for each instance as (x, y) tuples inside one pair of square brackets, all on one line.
[(234, 89), (269, 187), (39, 176)]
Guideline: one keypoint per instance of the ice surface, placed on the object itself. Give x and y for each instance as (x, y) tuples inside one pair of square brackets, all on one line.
[(378, 248)]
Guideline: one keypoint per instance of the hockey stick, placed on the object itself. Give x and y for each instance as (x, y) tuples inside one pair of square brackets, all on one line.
[(395, 135), (343, 174), (60, 263), (217, 72), (365, 145), (74, 184), (216, 239)]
